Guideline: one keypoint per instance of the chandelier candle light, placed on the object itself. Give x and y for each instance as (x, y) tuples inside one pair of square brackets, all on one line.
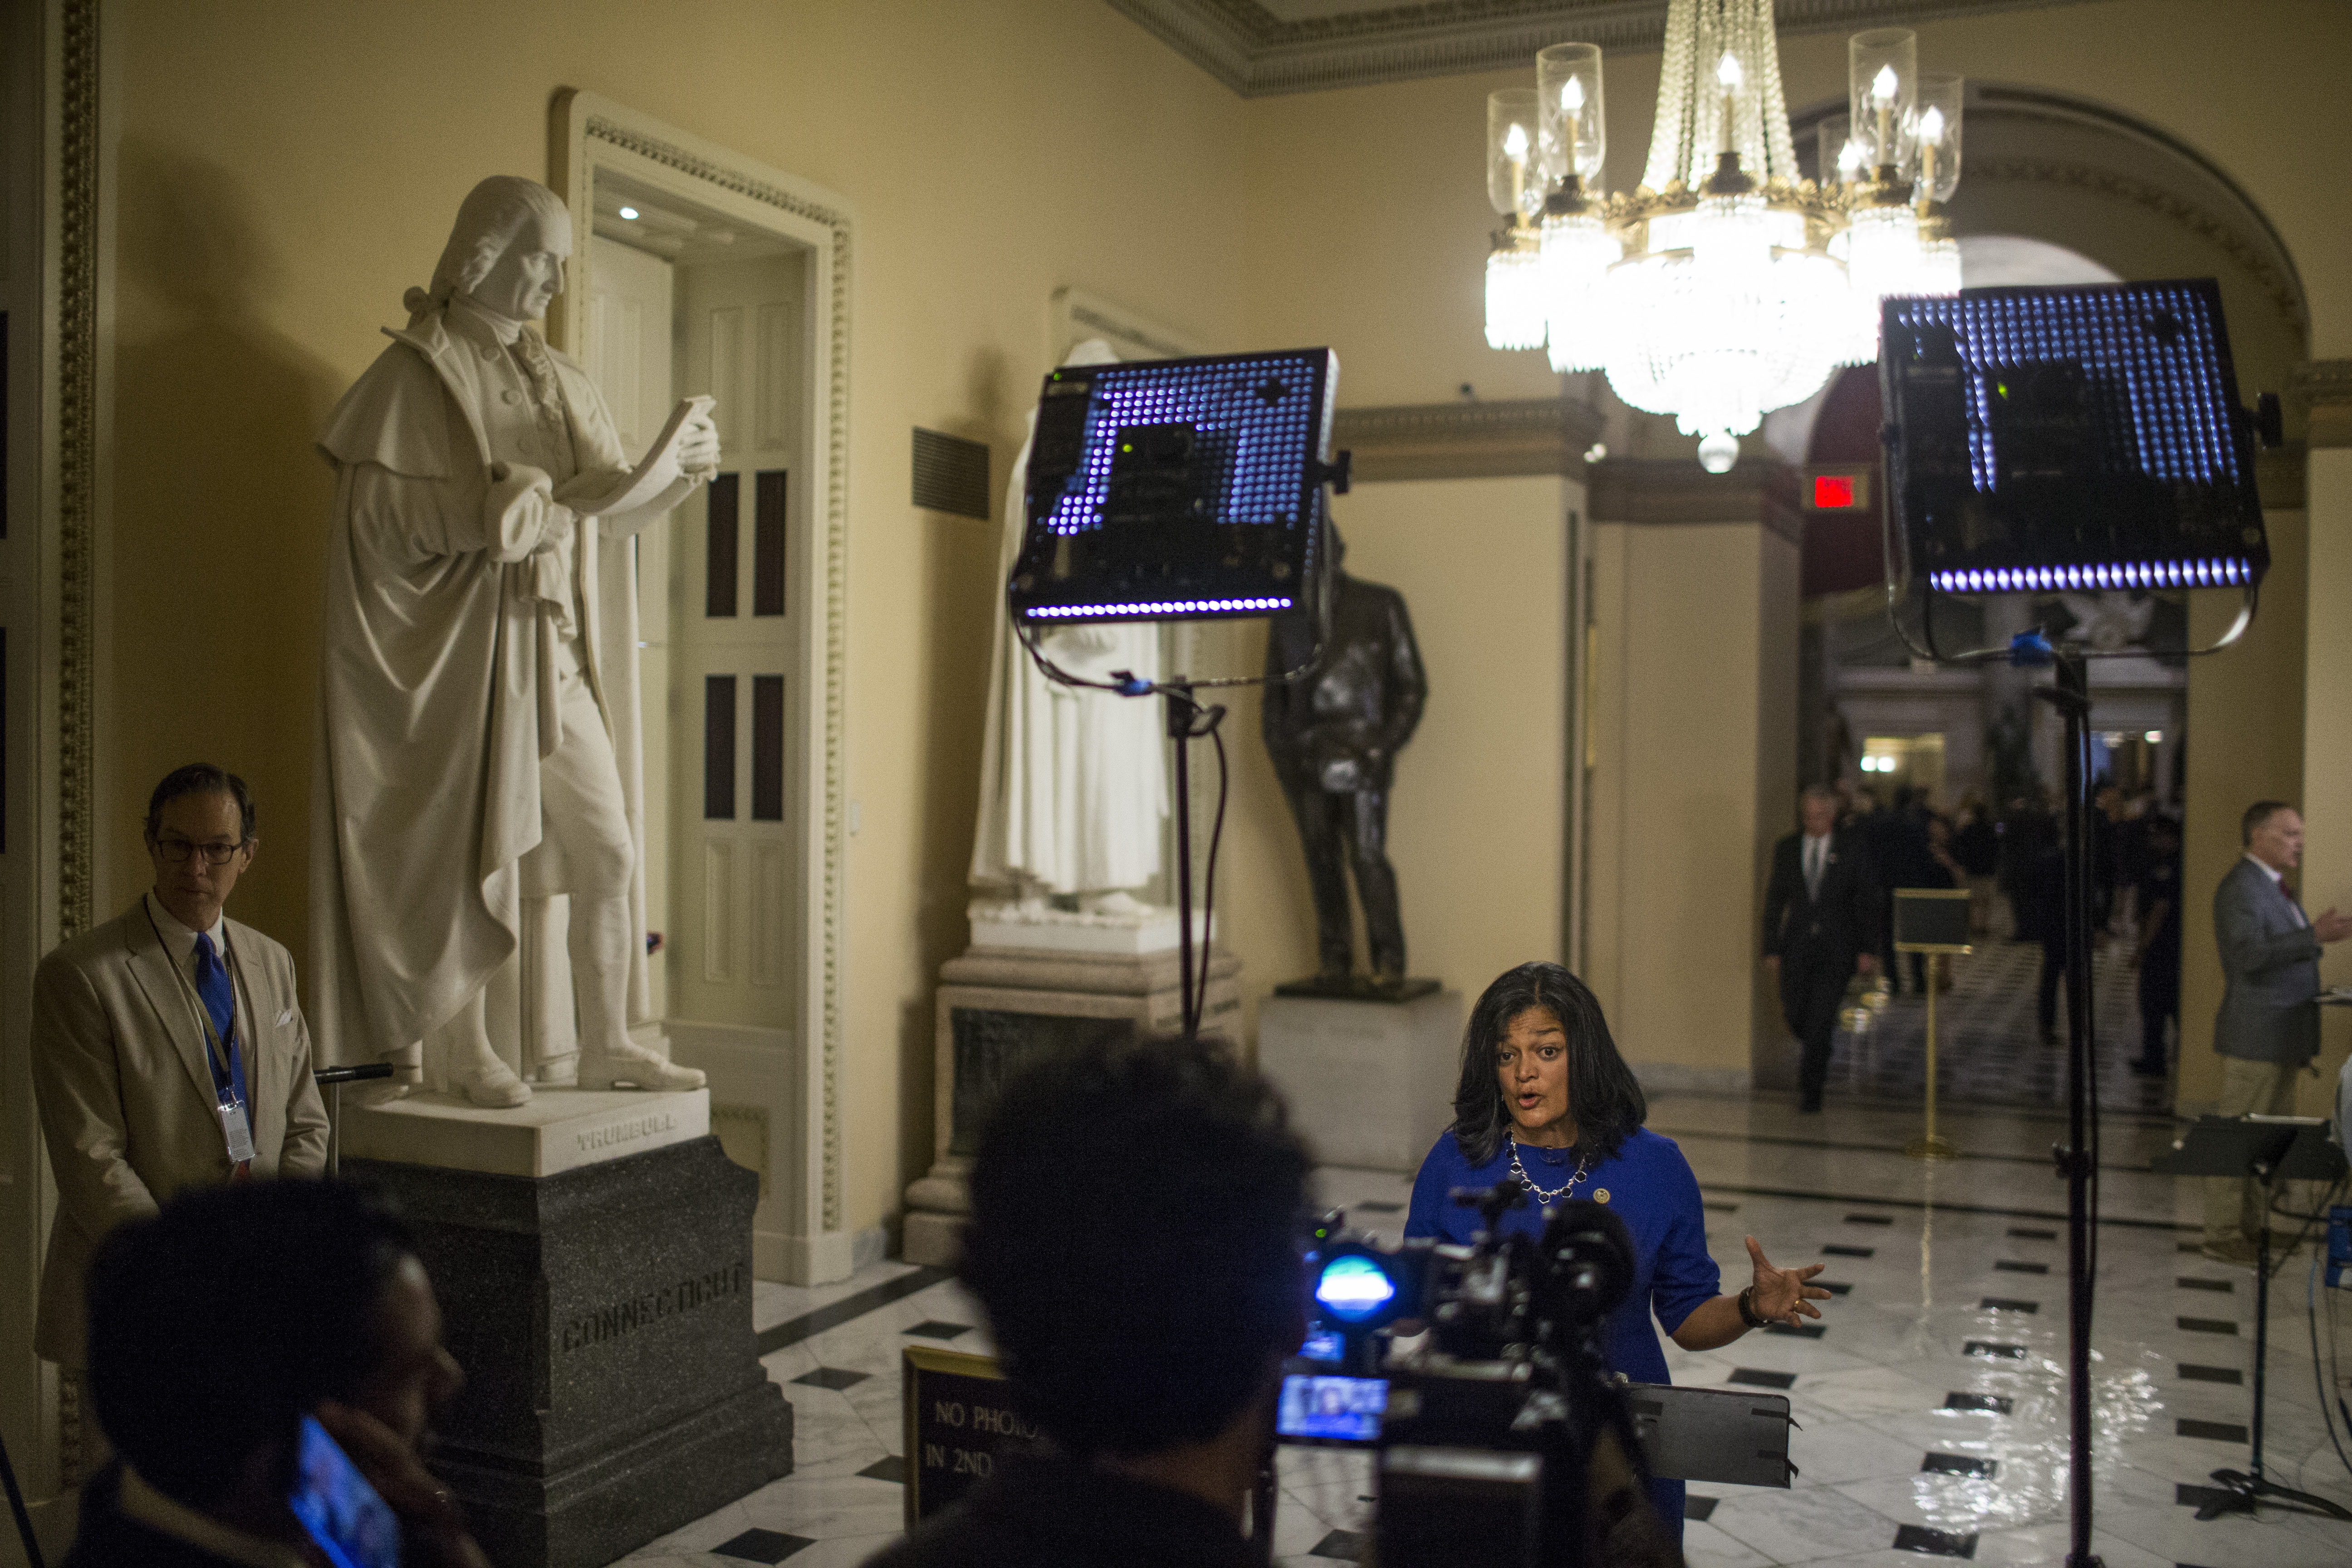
[(1725, 285)]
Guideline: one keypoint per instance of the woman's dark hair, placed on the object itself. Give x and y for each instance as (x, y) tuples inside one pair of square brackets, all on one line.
[(217, 1325), (1135, 1205), (1602, 1095)]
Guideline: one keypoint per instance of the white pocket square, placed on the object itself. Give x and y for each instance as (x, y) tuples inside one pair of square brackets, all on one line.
[(286, 1017)]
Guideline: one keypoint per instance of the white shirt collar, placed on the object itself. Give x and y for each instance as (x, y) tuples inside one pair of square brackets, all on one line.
[(181, 938), (481, 324), (168, 1516), (2264, 867)]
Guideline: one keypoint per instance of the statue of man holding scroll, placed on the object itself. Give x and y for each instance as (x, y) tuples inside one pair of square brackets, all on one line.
[(478, 752)]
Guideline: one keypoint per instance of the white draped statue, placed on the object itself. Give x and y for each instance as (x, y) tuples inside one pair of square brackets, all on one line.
[(1073, 787), (478, 873)]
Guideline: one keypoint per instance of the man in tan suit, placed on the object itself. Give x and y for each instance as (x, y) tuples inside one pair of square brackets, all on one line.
[(169, 1049)]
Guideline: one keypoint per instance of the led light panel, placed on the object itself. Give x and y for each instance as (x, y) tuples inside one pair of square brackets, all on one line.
[(1176, 490), (2081, 438)]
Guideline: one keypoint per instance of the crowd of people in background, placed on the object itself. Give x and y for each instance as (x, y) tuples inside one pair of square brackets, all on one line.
[(2013, 860)]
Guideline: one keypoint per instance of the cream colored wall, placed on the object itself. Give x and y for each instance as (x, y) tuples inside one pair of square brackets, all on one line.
[(2326, 792), (1693, 709), (2245, 729), (288, 169), (1477, 816)]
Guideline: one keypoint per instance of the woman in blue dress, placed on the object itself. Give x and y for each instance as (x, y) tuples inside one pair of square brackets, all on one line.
[(1545, 1097)]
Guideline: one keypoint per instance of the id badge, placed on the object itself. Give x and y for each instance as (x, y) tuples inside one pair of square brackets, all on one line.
[(237, 1130)]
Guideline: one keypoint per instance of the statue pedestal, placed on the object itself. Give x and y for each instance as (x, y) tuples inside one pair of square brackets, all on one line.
[(1370, 1083), (593, 1254), (997, 1006)]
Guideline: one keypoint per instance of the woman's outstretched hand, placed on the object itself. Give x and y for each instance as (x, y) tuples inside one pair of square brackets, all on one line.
[(1783, 1295)]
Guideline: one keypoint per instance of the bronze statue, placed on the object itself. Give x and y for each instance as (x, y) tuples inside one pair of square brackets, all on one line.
[(1334, 732)]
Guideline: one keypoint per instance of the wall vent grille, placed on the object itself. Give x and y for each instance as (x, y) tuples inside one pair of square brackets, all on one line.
[(951, 474)]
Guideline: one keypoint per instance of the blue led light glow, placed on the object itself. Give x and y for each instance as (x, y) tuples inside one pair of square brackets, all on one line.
[(1160, 607), (1353, 1288), (2228, 572), (2061, 439)]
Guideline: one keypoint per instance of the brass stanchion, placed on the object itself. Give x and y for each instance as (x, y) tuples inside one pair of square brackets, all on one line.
[(1933, 920)]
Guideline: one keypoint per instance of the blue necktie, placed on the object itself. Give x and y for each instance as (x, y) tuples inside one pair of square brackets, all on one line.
[(220, 1001)]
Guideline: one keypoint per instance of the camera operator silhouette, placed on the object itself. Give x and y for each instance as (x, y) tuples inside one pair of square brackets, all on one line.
[(1334, 732)]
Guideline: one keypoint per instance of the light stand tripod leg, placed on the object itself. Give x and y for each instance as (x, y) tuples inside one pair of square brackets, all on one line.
[(2244, 1490)]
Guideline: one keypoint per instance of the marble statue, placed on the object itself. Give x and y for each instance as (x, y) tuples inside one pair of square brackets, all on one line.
[(479, 782), (2112, 620), (1333, 732), (1073, 787)]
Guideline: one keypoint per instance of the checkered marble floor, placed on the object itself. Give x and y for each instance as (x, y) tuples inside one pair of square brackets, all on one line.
[(1932, 1403), (1988, 1049)]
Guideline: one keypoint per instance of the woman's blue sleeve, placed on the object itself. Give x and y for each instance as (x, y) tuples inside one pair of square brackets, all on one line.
[(1440, 1173), (1685, 1278)]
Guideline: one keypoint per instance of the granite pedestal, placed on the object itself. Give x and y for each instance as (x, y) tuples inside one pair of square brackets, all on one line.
[(1370, 1083), (998, 1006), (602, 1312)]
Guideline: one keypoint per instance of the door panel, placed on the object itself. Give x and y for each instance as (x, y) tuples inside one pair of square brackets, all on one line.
[(742, 325)]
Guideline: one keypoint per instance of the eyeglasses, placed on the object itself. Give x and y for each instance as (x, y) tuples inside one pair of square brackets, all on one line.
[(177, 850)]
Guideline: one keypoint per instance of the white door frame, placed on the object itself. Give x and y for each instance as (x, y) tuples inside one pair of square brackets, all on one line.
[(587, 132)]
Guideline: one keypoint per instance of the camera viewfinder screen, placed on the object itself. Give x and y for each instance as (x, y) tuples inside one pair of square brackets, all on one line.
[(1332, 1409)]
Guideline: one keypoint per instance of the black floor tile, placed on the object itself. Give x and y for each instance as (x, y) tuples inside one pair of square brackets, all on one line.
[(1870, 1219), (2207, 1325), (932, 1329), (1835, 1288), (2009, 1266), (1719, 1206), (2189, 1246), (889, 1468), (1837, 1249), (2212, 1431), (1698, 1507), (2190, 1282), (2229, 1375), (2025, 1232), (1987, 1348), (2008, 1304), (832, 1377), (1798, 1331), (1958, 1465), (768, 1546), (1347, 1545), (1380, 1208), (2186, 1496), (807, 1324), (1934, 1542), (1755, 1379), (1996, 1404)]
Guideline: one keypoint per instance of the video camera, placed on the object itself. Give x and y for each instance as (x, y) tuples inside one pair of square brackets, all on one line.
[(1505, 1426)]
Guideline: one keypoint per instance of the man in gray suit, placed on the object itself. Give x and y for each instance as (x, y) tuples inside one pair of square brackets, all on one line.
[(2268, 1023), (169, 1048)]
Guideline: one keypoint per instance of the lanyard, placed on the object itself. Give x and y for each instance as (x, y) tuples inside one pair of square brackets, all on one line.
[(228, 1082)]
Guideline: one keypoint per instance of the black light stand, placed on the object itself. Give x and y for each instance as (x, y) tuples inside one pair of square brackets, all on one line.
[(2270, 1152), (2078, 1157), (16, 1507)]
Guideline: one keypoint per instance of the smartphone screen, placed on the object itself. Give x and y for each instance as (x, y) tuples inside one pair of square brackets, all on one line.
[(352, 1524), (1318, 1409)]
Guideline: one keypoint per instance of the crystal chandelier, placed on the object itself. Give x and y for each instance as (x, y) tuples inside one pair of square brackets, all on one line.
[(1726, 286)]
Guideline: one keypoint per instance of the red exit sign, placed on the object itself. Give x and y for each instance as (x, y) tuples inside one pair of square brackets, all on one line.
[(1837, 490)]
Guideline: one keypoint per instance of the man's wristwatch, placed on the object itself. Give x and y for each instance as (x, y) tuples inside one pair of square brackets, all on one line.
[(1748, 1313)]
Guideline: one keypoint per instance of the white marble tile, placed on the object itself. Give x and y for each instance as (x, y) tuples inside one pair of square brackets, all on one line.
[(826, 1506), (1798, 1526), (1704, 1546)]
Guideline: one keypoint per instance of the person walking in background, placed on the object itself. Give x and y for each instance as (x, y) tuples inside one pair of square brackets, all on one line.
[(2156, 898), (1821, 915), (1976, 845), (2268, 1022), (2036, 852)]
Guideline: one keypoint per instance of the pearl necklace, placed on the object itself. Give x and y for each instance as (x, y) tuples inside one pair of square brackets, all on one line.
[(1545, 1199)]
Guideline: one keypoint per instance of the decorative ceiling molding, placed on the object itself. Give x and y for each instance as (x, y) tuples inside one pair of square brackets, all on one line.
[(1256, 53), (1467, 440), (1656, 491)]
